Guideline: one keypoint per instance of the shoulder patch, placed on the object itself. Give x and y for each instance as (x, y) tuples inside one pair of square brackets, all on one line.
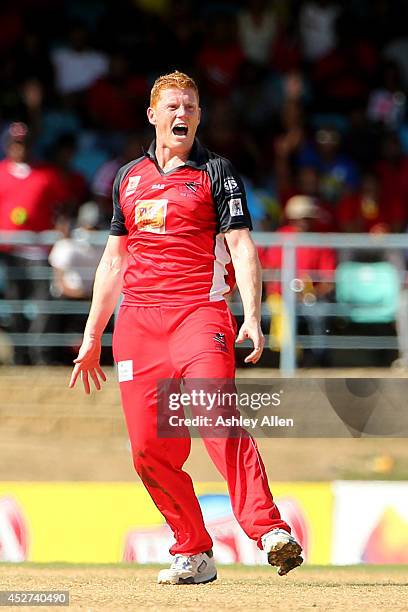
[(230, 184), (235, 206)]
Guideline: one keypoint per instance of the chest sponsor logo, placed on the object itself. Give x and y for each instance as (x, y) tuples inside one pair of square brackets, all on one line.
[(158, 186), (230, 184), (150, 216), (132, 185), (235, 206)]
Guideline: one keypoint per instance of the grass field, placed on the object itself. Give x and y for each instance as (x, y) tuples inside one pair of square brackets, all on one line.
[(131, 587)]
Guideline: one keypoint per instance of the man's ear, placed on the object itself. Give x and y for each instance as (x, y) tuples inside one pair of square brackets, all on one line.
[(151, 115), (199, 115)]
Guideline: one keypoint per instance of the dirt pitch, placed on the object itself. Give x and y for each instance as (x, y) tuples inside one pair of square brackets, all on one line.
[(128, 587)]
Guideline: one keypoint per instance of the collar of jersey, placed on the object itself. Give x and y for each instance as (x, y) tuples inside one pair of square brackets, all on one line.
[(197, 159)]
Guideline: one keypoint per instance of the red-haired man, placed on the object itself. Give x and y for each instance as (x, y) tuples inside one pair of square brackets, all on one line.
[(176, 210)]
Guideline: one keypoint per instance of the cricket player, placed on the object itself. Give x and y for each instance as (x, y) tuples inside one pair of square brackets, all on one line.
[(179, 218)]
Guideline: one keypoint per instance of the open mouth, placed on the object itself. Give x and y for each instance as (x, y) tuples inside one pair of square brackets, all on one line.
[(180, 130)]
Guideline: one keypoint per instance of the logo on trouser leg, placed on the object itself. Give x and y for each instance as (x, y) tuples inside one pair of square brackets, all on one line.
[(219, 339), (125, 370)]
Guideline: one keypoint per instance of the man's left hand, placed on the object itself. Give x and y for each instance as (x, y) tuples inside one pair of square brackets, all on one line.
[(252, 330)]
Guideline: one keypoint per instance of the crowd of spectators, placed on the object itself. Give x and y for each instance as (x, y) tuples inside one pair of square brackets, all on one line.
[(306, 97), (302, 96)]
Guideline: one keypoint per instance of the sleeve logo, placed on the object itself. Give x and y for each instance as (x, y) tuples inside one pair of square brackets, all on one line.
[(132, 185), (230, 184), (235, 206), (150, 216)]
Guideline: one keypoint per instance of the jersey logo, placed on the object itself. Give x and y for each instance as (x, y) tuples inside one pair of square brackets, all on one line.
[(150, 216), (235, 206), (220, 341), (188, 189), (193, 186), (132, 185), (230, 184), (158, 186)]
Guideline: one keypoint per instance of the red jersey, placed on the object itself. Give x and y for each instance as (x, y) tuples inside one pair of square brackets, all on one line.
[(28, 197), (320, 260), (175, 222), (366, 213)]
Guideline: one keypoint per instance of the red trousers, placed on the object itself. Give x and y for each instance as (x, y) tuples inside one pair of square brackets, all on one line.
[(171, 342)]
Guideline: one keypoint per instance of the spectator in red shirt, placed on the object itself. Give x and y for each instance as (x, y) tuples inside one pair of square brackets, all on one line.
[(370, 208), (27, 192), (307, 182), (313, 279), (28, 201), (302, 214)]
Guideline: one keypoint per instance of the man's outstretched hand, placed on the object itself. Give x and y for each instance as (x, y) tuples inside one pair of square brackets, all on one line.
[(87, 365), (252, 330)]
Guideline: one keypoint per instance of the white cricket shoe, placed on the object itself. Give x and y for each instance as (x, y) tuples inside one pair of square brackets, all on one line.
[(282, 550), (196, 569)]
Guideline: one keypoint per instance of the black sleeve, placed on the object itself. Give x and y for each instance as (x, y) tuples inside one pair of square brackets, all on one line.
[(118, 227), (229, 196)]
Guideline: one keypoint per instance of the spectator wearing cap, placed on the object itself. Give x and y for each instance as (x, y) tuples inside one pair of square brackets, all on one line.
[(74, 259), (313, 280), (307, 182), (28, 202)]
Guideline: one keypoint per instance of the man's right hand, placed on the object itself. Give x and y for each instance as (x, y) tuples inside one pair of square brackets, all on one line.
[(87, 364)]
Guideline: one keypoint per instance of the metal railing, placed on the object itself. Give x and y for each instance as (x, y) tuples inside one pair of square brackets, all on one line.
[(288, 242), (351, 242)]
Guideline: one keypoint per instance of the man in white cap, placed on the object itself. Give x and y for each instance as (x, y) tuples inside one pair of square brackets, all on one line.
[(315, 266)]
